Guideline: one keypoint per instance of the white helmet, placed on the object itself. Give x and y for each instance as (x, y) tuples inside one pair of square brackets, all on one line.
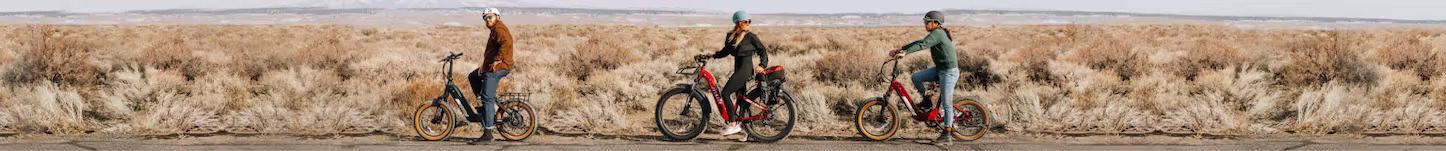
[(491, 10)]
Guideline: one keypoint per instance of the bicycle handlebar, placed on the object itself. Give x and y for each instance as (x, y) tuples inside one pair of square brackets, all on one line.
[(699, 61), (452, 56), (894, 71)]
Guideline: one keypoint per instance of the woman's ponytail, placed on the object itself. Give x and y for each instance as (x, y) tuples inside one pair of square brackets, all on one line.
[(947, 33)]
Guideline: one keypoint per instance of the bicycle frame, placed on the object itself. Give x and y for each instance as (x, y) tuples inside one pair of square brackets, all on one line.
[(896, 87), (451, 88), (716, 96)]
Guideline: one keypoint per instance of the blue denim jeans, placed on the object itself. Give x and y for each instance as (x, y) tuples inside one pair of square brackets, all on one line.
[(946, 79), (485, 87)]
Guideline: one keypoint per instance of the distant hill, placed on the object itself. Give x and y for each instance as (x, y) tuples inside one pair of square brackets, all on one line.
[(352, 4), (328, 11)]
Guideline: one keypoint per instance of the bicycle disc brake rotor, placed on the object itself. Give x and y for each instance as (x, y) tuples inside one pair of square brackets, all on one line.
[(513, 118)]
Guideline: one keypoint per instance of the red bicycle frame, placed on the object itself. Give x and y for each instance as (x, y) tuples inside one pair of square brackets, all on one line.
[(717, 98), (897, 87)]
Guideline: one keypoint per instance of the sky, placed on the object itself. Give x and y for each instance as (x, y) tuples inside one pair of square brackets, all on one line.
[(1387, 9)]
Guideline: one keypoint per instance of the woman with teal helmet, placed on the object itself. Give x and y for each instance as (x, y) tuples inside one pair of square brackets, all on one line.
[(742, 45)]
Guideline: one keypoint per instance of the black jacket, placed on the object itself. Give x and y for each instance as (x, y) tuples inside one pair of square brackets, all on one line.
[(744, 50)]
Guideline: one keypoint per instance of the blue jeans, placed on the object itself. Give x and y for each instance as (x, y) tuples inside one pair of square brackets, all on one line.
[(485, 87), (946, 79)]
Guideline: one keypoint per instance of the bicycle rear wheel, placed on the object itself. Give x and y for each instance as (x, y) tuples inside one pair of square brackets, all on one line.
[(515, 120), (776, 125), (972, 127), (680, 115), (433, 121), (876, 120)]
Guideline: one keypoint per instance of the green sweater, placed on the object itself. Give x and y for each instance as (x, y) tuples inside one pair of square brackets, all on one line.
[(941, 48)]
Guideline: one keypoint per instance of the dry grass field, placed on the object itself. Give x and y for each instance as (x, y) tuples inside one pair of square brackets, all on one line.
[(318, 80)]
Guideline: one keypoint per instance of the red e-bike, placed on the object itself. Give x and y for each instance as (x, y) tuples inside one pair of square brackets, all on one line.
[(766, 112), (878, 118)]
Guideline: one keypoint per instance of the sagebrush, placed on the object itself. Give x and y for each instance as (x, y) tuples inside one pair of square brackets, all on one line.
[(325, 79)]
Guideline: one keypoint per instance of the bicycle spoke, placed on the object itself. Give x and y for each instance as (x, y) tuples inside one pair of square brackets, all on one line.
[(683, 117), (973, 124), (436, 123), (879, 117)]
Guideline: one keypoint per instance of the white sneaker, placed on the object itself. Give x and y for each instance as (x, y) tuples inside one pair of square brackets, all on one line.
[(732, 129)]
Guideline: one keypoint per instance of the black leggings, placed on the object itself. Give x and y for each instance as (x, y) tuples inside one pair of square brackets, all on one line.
[(737, 83)]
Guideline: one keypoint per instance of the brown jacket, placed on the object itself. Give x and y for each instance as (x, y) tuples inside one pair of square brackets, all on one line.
[(499, 49)]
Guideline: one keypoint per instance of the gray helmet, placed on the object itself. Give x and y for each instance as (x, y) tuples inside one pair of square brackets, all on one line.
[(934, 16)]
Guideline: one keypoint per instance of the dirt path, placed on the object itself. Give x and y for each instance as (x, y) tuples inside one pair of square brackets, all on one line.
[(714, 142)]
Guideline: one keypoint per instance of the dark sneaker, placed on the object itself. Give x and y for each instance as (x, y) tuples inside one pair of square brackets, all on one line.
[(486, 138), (478, 117), (944, 137), (925, 104), (923, 107)]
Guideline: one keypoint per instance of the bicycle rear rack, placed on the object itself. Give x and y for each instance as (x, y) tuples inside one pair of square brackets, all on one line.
[(519, 96)]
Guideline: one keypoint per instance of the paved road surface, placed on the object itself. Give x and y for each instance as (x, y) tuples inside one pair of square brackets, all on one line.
[(636, 143)]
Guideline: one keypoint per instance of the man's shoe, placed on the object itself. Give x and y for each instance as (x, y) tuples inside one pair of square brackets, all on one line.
[(477, 118), (486, 137)]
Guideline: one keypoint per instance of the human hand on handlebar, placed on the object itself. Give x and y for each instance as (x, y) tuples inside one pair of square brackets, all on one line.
[(897, 53), (702, 57)]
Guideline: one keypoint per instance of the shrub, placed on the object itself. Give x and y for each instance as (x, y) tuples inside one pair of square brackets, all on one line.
[(1410, 53), (1033, 61), (1100, 53), (1087, 78), (597, 54), (54, 54), (174, 53), (851, 66), (1205, 55), (1321, 57)]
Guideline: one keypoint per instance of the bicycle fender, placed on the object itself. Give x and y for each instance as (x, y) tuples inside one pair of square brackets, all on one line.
[(677, 86), (880, 98), (975, 98)]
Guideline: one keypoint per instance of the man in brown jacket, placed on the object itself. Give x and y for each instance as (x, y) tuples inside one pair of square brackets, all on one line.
[(496, 63)]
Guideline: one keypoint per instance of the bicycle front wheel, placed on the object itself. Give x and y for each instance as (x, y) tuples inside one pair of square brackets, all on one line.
[(680, 115), (515, 120), (433, 121), (776, 125), (876, 120)]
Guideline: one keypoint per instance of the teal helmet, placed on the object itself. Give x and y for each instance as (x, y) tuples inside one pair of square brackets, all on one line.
[(741, 16)]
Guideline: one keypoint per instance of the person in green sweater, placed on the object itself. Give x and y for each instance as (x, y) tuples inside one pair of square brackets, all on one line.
[(945, 70)]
